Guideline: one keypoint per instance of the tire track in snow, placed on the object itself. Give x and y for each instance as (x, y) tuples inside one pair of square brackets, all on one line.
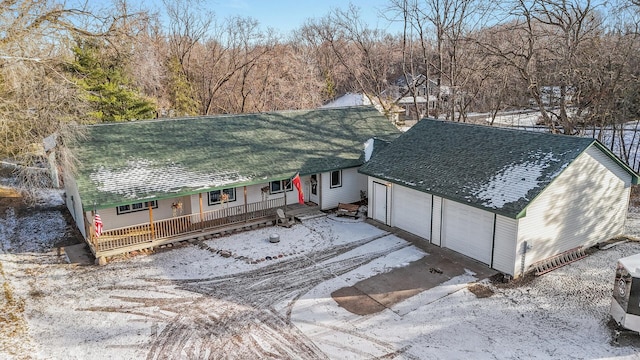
[(236, 315)]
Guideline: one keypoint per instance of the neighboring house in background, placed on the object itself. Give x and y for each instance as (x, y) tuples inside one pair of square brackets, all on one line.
[(417, 107), (418, 84), (416, 95), (156, 181), (507, 198)]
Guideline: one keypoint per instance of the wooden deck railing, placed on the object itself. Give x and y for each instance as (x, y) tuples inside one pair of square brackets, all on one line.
[(185, 224)]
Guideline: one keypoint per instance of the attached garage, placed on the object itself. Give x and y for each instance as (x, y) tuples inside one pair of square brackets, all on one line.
[(467, 230), (411, 211), (456, 186)]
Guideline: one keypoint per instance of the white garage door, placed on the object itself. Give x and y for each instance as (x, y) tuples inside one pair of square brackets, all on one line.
[(467, 230), (412, 211)]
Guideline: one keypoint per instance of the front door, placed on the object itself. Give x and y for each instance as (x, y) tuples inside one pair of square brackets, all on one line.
[(314, 193), (379, 211)]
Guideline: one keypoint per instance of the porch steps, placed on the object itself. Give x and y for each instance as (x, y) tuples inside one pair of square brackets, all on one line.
[(310, 215), (557, 261)]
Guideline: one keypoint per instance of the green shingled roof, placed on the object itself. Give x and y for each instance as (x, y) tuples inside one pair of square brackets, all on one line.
[(127, 162), (496, 169)]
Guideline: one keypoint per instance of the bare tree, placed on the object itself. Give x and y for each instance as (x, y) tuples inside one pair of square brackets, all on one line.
[(37, 98), (370, 57), (439, 29), (549, 44)]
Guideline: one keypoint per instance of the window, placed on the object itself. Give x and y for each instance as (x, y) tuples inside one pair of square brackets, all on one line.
[(336, 178), (141, 206), (279, 186), (215, 196)]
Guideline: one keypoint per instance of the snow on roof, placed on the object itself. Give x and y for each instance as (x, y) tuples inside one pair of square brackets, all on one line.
[(132, 181), (122, 162), (510, 185)]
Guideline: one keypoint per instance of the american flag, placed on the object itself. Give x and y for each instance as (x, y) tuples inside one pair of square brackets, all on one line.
[(97, 223)]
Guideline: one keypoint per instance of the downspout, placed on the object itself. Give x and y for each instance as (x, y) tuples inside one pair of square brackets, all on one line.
[(389, 208), (319, 180), (525, 247), (493, 241), (441, 219), (431, 227)]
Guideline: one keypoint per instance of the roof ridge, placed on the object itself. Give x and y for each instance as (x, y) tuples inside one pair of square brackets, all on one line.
[(506, 129), (217, 116)]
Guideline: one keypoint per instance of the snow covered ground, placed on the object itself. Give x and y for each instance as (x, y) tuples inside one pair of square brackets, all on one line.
[(189, 302)]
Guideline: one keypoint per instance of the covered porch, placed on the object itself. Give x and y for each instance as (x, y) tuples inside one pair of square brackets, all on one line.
[(180, 228)]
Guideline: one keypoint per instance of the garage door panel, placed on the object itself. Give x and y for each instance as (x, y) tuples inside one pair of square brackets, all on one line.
[(468, 231), (412, 211)]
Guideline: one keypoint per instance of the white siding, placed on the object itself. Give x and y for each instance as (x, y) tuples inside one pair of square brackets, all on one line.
[(74, 203), (504, 245), (111, 219), (436, 221), (411, 211), (190, 205), (254, 194), (348, 192), (585, 205)]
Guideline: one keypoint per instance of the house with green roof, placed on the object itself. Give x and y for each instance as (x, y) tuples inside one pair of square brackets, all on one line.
[(155, 181), (507, 198)]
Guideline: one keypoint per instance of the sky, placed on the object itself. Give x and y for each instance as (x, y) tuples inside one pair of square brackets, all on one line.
[(287, 15)]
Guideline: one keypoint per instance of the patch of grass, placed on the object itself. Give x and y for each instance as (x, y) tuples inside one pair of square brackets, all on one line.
[(13, 327)]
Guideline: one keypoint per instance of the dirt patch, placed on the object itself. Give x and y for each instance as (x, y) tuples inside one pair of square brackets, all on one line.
[(384, 290), (6, 192), (356, 302), (480, 291)]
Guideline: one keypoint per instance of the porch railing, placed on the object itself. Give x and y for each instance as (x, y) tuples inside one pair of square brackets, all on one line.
[(185, 224)]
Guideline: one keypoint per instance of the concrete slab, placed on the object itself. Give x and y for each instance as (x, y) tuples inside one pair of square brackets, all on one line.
[(356, 301), (385, 290), (79, 254)]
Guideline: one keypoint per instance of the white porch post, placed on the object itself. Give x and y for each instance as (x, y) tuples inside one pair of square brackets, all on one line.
[(201, 211), (246, 215), (151, 220)]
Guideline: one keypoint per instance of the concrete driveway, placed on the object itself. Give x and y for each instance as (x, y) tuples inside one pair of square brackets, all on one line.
[(384, 290)]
